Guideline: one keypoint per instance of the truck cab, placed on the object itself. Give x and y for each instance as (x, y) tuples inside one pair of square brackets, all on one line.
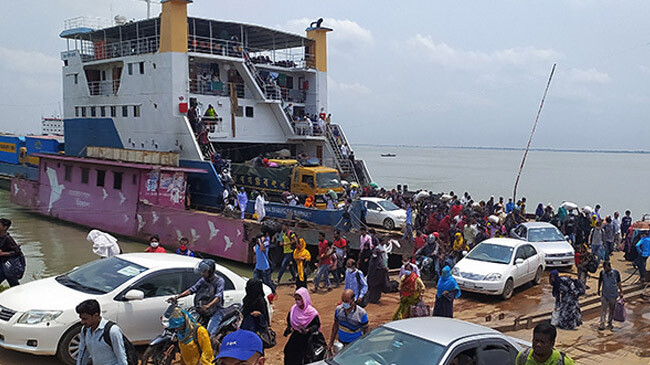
[(316, 181)]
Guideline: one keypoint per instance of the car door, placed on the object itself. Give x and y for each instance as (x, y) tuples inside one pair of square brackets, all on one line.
[(496, 351), (140, 318), (533, 260), (521, 270), (374, 213), (463, 353)]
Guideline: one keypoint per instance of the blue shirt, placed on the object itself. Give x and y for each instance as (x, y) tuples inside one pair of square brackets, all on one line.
[(409, 215), (509, 207), (352, 283), (187, 252), (262, 262), (93, 347), (350, 324), (217, 282), (643, 246)]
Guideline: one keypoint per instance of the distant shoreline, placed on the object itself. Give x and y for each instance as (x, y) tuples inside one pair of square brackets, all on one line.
[(509, 148)]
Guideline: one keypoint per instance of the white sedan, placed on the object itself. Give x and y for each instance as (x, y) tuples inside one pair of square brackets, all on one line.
[(39, 317), (548, 239), (384, 213), (498, 265)]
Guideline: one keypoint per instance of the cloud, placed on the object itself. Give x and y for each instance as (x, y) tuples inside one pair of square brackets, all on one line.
[(443, 54), (347, 36), (588, 76), (30, 62), (352, 87)]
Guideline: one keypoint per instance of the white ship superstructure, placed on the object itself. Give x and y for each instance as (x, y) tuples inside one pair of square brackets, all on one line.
[(130, 86)]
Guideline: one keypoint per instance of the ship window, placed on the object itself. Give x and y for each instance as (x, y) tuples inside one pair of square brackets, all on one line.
[(113, 111), (101, 175), (125, 111), (142, 68), (240, 111), (65, 62), (76, 79), (76, 111), (84, 175), (117, 180), (102, 111), (68, 173), (103, 75), (83, 111), (289, 82), (130, 68), (136, 111), (249, 112), (93, 111)]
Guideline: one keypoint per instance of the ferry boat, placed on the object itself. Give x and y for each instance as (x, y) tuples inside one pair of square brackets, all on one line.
[(131, 153)]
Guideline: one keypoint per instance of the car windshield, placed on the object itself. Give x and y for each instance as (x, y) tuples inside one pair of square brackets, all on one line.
[(328, 180), (491, 253), (384, 346), (388, 205), (550, 234), (100, 276)]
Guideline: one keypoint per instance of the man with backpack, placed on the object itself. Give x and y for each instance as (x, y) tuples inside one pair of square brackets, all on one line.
[(542, 352), (102, 341), (12, 260)]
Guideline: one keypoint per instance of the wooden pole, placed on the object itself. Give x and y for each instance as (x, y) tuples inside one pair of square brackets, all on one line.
[(530, 139)]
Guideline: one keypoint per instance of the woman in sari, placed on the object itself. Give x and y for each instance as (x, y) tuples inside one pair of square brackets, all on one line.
[(447, 290), (566, 291), (411, 289), (302, 321), (301, 256), (376, 277)]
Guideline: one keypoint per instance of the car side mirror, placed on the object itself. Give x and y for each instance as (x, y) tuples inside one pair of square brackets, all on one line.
[(464, 253), (519, 261), (567, 237), (134, 294)]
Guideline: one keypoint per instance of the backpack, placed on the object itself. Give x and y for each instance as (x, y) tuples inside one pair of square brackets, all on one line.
[(129, 349), (523, 357), (14, 267)]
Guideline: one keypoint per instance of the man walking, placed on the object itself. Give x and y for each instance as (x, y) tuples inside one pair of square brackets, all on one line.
[(610, 282), (542, 352), (92, 346), (355, 281), (262, 270), (325, 250), (289, 241), (608, 237), (350, 320), (9, 250), (643, 248)]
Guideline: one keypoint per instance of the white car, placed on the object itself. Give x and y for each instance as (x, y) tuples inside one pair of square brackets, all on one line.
[(497, 266), (548, 239), (430, 340), (39, 317), (384, 213)]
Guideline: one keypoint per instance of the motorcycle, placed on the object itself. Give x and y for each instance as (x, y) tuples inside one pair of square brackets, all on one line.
[(163, 349), (427, 267)]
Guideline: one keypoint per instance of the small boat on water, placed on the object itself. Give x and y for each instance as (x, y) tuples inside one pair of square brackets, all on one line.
[(388, 155)]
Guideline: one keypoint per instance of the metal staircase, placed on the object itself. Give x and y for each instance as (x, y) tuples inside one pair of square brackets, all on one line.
[(343, 163)]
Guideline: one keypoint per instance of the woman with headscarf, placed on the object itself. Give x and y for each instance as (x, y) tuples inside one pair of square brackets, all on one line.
[(446, 291), (301, 255), (254, 311), (539, 212), (411, 289), (302, 321), (566, 291), (193, 339), (377, 277)]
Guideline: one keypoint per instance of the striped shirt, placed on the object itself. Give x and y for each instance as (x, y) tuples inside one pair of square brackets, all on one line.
[(350, 324)]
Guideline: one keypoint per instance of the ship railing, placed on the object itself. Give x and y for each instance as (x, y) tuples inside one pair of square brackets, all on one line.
[(286, 58), (216, 88), (87, 22), (100, 50), (109, 87)]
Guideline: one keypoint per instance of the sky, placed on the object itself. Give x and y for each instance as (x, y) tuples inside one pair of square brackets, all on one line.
[(442, 73)]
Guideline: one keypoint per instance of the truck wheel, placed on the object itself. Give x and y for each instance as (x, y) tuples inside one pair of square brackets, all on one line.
[(389, 224), (68, 349), (508, 289)]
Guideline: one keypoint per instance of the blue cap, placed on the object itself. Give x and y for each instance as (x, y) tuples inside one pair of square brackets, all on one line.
[(240, 345)]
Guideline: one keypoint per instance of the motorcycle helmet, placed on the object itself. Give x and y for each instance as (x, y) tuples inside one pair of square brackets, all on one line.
[(205, 265)]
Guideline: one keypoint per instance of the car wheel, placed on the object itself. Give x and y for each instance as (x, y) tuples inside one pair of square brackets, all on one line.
[(68, 349), (389, 224), (508, 289), (538, 276)]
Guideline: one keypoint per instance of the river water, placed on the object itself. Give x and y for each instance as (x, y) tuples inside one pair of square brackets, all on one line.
[(52, 247), (616, 181)]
